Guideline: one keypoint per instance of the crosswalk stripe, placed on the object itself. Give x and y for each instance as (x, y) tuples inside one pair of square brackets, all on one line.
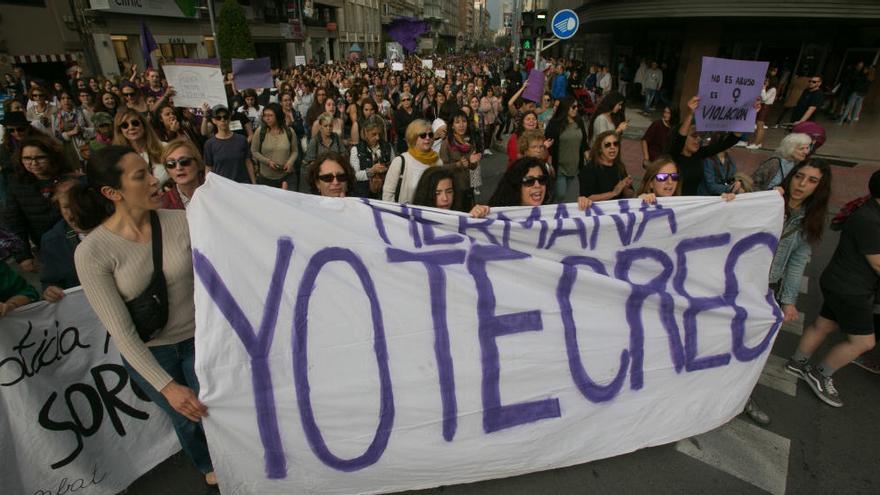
[(755, 455), (775, 377)]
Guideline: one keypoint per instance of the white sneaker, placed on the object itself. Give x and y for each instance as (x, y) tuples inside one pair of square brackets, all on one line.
[(741, 144), (765, 127), (754, 146), (487, 152)]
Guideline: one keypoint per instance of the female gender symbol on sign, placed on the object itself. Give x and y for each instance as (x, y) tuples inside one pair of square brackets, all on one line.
[(736, 93)]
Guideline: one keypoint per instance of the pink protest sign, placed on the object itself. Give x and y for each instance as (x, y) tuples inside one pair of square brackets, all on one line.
[(728, 90)]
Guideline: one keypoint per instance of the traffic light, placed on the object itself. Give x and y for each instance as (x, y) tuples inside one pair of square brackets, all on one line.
[(527, 45)]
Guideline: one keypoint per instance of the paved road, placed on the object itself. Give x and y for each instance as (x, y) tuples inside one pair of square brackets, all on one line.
[(809, 448)]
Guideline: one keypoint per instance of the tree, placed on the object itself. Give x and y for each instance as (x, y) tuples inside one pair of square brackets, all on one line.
[(234, 34)]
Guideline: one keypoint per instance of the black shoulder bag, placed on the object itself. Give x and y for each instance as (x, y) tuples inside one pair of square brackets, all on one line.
[(149, 310)]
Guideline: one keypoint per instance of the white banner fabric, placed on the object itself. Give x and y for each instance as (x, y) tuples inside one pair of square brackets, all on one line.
[(195, 85), (355, 346), (69, 419)]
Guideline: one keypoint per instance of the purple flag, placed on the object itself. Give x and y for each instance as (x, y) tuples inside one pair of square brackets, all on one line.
[(535, 89), (406, 31), (728, 91), (148, 44), (252, 73)]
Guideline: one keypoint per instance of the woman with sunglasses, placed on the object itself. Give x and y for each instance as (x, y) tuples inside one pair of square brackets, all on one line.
[(435, 189), (187, 169), (570, 144), (406, 169), (133, 99), (604, 176), (39, 110), (662, 180), (131, 130), (461, 152), (119, 204), (331, 176), (39, 167), (524, 184)]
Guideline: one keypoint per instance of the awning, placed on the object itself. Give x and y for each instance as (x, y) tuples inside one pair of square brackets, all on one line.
[(52, 57)]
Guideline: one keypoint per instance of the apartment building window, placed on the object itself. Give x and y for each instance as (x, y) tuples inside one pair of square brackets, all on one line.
[(210, 47)]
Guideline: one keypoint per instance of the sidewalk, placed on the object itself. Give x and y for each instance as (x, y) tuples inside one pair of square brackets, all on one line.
[(854, 143)]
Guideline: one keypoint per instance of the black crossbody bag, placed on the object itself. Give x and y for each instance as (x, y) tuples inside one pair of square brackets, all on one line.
[(149, 310)]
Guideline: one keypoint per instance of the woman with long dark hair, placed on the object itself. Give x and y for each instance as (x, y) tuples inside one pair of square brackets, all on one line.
[(570, 144), (610, 115), (119, 205), (436, 189), (604, 175), (524, 184), (461, 151), (274, 147), (39, 167), (107, 103)]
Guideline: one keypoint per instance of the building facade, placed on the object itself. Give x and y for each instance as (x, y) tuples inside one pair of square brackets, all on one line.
[(363, 28), (799, 38)]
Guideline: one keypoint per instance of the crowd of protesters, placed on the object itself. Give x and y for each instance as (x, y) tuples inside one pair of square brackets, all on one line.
[(87, 162)]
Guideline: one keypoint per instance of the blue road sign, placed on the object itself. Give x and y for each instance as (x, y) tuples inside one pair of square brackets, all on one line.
[(565, 24)]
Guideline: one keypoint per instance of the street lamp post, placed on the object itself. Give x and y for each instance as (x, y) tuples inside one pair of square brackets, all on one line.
[(213, 29)]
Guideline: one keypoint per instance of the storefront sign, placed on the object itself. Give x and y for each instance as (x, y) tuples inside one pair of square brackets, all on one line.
[(164, 8)]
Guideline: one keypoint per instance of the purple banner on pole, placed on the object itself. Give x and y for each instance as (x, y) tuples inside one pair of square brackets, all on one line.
[(252, 73), (728, 91), (535, 90)]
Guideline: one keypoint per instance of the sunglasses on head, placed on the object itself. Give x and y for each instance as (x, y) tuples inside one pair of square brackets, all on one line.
[(426, 135), (133, 123), (663, 177), (183, 161), (530, 180), (328, 178), (610, 144)]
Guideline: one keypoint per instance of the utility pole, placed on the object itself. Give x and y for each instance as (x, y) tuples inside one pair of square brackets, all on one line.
[(213, 29), (515, 26)]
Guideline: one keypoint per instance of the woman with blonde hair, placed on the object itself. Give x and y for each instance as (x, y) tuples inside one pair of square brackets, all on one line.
[(407, 168), (185, 166), (132, 130)]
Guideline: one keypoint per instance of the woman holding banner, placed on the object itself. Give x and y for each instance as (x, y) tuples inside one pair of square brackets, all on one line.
[(435, 189), (111, 265), (331, 175)]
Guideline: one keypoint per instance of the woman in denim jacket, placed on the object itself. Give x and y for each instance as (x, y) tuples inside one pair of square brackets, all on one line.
[(806, 191)]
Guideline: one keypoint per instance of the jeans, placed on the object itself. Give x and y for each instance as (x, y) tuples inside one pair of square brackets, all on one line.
[(650, 96), (853, 108), (562, 182), (178, 360)]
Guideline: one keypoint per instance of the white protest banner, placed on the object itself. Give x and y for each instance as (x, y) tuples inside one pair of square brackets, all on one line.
[(363, 65), (728, 91), (72, 421), (396, 66), (427, 63), (381, 65), (299, 60), (195, 85), (367, 347), (440, 73)]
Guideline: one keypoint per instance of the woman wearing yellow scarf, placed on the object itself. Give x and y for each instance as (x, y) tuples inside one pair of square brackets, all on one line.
[(406, 170)]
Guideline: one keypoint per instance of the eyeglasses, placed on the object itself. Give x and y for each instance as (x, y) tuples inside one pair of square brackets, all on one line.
[(127, 95), (133, 123), (41, 159), (610, 144), (328, 178), (426, 135), (663, 176), (530, 180), (221, 117), (183, 161)]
